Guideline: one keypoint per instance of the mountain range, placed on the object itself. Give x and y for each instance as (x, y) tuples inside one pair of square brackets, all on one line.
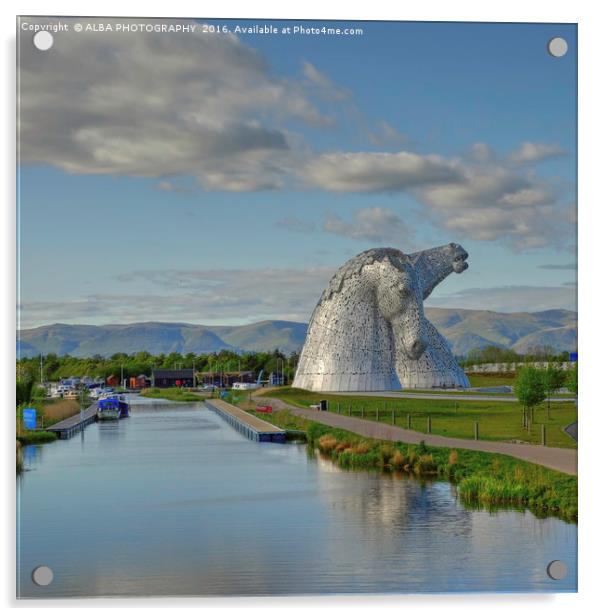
[(464, 330)]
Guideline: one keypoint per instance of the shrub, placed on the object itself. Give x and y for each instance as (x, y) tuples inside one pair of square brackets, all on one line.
[(386, 453), (412, 457), (398, 460), (425, 465), (361, 447), (327, 443), (342, 446)]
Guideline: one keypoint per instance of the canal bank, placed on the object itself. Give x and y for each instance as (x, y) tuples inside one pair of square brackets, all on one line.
[(199, 509), (556, 458), (485, 479)]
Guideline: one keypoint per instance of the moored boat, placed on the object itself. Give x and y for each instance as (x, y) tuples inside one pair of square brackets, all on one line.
[(108, 409), (124, 407)]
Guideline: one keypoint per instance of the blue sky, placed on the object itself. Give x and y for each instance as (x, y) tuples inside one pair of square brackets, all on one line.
[(219, 179)]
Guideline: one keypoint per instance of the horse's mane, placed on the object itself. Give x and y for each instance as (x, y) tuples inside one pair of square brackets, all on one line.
[(354, 267)]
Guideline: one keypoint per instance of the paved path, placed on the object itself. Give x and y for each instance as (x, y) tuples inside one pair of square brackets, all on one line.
[(442, 396), (557, 458)]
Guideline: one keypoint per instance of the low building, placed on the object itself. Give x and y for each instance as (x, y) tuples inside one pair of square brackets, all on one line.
[(139, 382), (220, 378), (173, 378)]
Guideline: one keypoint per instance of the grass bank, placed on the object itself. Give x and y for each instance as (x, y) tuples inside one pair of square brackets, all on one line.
[(31, 437), (482, 379), (483, 480), (498, 421), (172, 393)]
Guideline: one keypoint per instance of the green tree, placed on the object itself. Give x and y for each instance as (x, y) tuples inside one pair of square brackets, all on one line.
[(553, 378), (530, 390), (24, 391), (571, 380)]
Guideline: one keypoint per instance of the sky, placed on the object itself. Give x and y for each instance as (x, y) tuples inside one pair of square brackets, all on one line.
[(222, 178)]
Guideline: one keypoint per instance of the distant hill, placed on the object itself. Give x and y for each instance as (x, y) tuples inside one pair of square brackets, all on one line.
[(520, 331), (464, 329), (88, 340)]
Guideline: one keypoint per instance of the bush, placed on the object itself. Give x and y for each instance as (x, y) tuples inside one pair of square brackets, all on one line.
[(398, 460), (425, 465), (386, 453), (327, 443), (39, 436), (342, 446), (362, 447)]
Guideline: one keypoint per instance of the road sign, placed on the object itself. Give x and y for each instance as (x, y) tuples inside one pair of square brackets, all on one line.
[(29, 419), (572, 356)]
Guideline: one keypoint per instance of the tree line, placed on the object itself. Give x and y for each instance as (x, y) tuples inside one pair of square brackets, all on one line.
[(52, 367), (497, 355)]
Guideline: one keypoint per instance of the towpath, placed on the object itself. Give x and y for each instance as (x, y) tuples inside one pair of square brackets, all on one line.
[(557, 458)]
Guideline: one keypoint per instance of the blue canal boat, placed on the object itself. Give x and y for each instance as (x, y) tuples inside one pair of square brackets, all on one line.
[(114, 407)]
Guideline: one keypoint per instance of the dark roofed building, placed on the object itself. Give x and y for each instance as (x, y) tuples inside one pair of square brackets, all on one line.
[(173, 378)]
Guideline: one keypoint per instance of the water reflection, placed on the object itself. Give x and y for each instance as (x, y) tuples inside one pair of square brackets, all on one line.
[(174, 501)]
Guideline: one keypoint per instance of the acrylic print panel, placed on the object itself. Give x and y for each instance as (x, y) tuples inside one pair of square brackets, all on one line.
[(296, 307)]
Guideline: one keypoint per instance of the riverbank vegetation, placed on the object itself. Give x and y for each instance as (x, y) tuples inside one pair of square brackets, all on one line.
[(482, 479), (500, 421), (35, 437), (177, 394)]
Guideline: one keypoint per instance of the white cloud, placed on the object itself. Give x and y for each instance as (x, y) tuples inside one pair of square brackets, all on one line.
[(486, 200), (495, 203), (375, 224), (387, 135), (529, 152), (211, 108), (322, 85), (117, 103), (376, 171), (481, 152), (199, 296)]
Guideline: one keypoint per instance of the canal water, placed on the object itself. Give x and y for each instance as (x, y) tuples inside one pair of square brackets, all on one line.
[(174, 501)]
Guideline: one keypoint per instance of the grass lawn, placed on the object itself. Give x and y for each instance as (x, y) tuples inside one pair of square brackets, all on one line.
[(491, 380), (173, 393), (498, 421)]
